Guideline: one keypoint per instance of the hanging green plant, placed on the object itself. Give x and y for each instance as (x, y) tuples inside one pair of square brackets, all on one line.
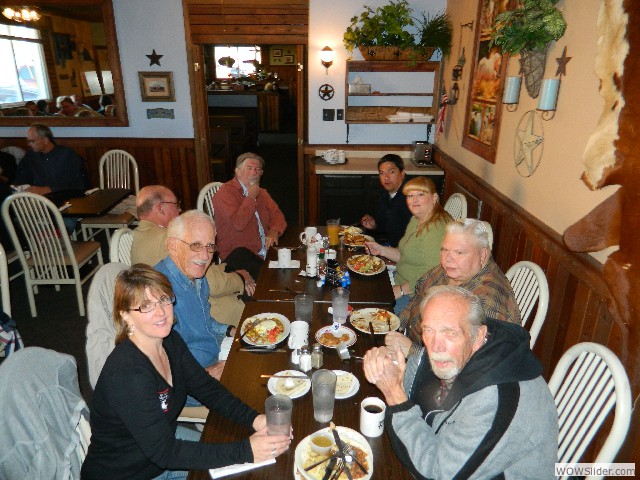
[(436, 32)]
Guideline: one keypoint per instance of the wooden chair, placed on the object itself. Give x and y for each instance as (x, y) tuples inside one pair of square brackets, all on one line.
[(456, 206), (530, 285), (54, 259), (120, 249), (118, 169), (587, 382), (205, 197)]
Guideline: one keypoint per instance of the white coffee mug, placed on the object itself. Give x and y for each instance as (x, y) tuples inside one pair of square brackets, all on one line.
[(299, 334), (284, 257), (372, 411), (309, 235)]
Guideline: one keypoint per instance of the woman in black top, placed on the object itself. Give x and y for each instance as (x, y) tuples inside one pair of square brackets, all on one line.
[(142, 389)]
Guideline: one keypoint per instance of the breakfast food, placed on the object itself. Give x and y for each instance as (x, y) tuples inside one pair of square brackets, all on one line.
[(365, 264), (310, 457), (350, 230), (328, 339), (382, 320), (355, 239), (344, 383), (291, 387), (264, 331)]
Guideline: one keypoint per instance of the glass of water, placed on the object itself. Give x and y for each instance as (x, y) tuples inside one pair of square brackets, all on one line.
[(340, 304), (323, 385)]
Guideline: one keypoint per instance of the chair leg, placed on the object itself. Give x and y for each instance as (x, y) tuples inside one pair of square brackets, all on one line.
[(80, 297), (32, 301)]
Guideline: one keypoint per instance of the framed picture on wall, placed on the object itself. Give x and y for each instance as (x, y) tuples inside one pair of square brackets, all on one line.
[(156, 86), (276, 52), (484, 105), (288, 59)]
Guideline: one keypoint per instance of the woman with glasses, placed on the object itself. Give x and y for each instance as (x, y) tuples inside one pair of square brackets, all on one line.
[(419, 249), (142, 389)]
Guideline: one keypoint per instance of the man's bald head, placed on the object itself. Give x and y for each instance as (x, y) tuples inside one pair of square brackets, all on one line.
[(157, 204)]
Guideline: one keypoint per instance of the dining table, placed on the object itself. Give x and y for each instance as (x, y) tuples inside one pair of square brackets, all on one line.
[(282, 284), (94, 203), (242, 376)]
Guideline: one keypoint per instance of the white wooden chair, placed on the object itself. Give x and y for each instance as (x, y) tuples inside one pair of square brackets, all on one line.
[(120, 249), (118, 169), (4, 282), (586, 383), (456, 206), (529, 285), (206, 196), (54, 259)]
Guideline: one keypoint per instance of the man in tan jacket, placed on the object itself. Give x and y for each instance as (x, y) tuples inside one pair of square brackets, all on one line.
[(157, 206)]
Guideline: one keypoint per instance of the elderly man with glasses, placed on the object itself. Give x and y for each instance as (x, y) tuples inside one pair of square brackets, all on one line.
[(190, 242)]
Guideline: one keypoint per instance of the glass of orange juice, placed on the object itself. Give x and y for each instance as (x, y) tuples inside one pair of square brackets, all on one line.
[(333, 231)]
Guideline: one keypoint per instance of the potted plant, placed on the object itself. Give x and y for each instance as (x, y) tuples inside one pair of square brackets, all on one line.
[(383, 32), (528, 30), (436, 32)]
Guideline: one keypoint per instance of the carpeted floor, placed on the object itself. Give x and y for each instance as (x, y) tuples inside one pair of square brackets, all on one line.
[(59, 326)]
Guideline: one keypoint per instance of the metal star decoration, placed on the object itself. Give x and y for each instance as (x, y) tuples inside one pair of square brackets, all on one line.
[(527, 140), (155, 58), (562, 63)]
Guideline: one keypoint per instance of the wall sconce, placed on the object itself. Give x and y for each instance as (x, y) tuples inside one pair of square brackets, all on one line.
[(21, 14), (548, 97), (511, 94), (455, 94), (326, 57)]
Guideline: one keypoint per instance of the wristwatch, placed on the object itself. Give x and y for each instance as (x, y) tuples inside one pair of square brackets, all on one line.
[(229, 328)]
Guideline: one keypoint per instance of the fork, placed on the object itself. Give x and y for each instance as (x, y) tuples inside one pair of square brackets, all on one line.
[(337, 471), (351, 453)]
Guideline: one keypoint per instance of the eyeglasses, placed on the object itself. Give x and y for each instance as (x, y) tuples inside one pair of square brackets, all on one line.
[(197, 246), (149, 307), (416, 195), (177, 203)]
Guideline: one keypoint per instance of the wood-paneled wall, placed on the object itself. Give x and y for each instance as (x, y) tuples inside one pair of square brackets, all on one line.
[(578, 294), (250, 22), (170, 162)]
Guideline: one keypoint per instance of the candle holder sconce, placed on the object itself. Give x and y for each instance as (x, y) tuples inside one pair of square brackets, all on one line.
[(548, 97)]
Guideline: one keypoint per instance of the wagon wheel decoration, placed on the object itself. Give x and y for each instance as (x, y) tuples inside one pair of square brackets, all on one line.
[(326, 92)]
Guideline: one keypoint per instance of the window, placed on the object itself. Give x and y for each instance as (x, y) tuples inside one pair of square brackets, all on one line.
[(233, 62), (23, 76)]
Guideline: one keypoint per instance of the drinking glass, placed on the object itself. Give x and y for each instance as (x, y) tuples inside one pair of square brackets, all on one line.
[(340, 304), (333, 231), (304, 307), (323, 385), (278, 411)]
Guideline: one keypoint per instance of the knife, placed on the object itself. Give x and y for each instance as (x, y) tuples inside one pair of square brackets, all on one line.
[(262, 350), (329, 469), (341, 453), (252, 327), (373, 333)]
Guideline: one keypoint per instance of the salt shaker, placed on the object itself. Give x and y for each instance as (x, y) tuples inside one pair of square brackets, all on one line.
[(305, 358), (317, 357)]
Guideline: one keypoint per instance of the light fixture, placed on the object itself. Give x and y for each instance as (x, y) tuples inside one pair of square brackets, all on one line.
[(511, 94), (21, 14), (548, 97), (326, 57)]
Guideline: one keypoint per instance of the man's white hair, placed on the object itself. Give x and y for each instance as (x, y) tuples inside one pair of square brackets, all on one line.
[(178, 226), (479, 230)]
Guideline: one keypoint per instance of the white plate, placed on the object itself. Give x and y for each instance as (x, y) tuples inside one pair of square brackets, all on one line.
[(347, 378), (305, 456), (338, 333), (360, 320), (281, 337), (276, 385), (355, 258), (368, 238)]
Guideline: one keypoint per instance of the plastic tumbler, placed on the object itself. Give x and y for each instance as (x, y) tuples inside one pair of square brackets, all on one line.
[(333, 231), (304, 307), (340, 304), (323, 385), (278, 411)]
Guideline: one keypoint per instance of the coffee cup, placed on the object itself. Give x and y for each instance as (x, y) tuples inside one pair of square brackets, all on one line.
[(372, 411), (284, 257), (299, 334), (308, 236)]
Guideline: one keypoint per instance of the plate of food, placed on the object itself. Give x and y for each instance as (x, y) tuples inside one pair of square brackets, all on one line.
[(366, 264), (265, 329), (294, 388), (350, 229), (330, 337), (378, 317), (356, 239), (305, 456), (347, 384)]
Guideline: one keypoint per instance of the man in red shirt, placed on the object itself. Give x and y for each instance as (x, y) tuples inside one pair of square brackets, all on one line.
[(248, 220)]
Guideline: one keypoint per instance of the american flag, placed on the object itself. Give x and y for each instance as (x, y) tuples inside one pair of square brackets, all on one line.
[(441, 113)]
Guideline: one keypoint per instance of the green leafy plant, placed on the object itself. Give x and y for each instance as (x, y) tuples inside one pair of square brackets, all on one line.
[(531, 26), (387, 25), (436, 32)]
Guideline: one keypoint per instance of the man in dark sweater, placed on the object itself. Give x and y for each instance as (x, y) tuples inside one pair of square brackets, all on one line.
[(392, 216)]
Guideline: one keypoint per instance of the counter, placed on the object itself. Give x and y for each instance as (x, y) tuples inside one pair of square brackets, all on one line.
[(369, 166)]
